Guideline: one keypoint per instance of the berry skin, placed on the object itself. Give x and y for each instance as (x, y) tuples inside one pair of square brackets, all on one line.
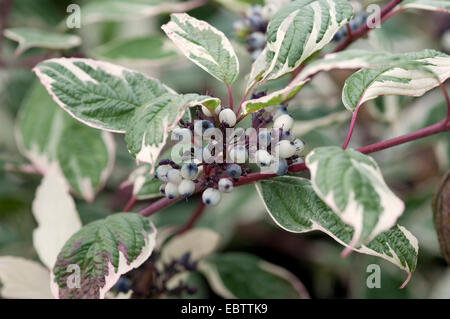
[(263, 158), (211, 197), (264, 138), (299, 146), (171, 190), (181, 134), (256, 40), (228, 117), (287, 135), (123, 285), (285, 148), (162, 189), (280, 167), (239, 154), (186, 188), (189, 171), (234, 171), (201, 126), (161, 173), (225, 185), (284, 122), (174, 176)]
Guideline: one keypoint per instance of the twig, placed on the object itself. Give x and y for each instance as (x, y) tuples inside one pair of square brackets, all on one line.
[(130, 203), (193, 219), (230, 97)]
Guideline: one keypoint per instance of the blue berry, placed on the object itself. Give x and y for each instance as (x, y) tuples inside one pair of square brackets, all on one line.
[(234, 171), (257, 40), (123, 285), (287, 135), (201, 126)]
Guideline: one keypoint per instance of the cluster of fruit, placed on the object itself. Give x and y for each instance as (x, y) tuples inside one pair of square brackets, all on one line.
[(274, 151), (358, 20)]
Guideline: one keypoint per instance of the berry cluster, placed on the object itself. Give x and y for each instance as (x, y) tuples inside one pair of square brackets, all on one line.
[(216, 171), (358, 20)]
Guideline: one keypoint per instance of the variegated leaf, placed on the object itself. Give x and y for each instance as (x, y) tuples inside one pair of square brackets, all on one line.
[(117, 10), (99, 94), (33, 38), (56, 215), (46, 135), (352, 185), (300, 29), (411, 77), (241, 275), (204, 45), (145, 185), (149, 129), (432, 5), (294, 206), (100, 253)]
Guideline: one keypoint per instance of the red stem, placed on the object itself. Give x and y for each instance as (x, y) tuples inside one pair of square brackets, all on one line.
[(230, 97), (130, 204), (193, 219), (350, 129)]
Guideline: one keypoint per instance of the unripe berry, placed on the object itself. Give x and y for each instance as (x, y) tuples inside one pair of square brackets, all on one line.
[(174, 176), (257, 40), (186, 188), (263, 158), (225, 185), (228, 117), (189, 171), (171, 190), (181, 134), (234, 171), (285, 148), (284, 122), (211, 197), (161, 173), (239, 154), (201, 126), (280, 167), (299, 146)]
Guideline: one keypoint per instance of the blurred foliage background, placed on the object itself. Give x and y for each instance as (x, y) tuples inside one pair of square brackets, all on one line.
[(412, 170)]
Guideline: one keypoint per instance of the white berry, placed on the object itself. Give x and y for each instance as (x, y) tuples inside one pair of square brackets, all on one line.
[(285, 148), (189, 171), (225, 185), (239, 154), (263, 158), (284, 122), (182, 135), (171, 190), (299, 146), (174, 176), (186, 188), (161, 173), (228, 117), (211, 197)]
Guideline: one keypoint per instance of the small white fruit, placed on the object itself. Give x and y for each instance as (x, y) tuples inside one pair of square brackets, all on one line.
[(284, 122), (239, 154), (263, 158), (299, 146), (189, 171), (180, 134), (161, 173), (174, 176), (285, 148), (171, 190), (225, 185), (228, 117), (186, 188), (211, 197)]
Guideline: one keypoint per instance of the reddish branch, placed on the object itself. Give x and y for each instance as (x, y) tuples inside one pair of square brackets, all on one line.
[(193, 219)]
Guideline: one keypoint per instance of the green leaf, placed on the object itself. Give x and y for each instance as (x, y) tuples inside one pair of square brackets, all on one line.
[(46, 135), (99, 94), (151, 48), (294, 206), (149, 128), (33, 38), (103, 250), (352, 185), (432, 5), (441, 212), (118, 10), (204, 45), (412, 77), (241, 275), (300, 29)]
